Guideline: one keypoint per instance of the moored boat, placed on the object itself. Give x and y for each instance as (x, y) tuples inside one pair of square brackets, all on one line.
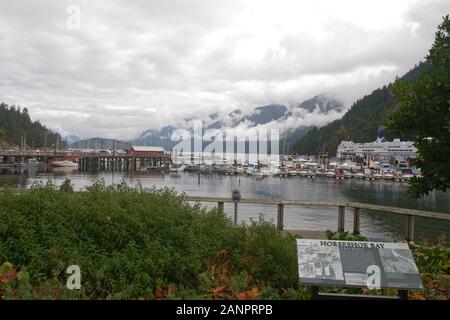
[(339, 173), (177, 168), (330, 174), (311, 174), (303, 173), (368, 174), (359, 175), (388, 174), (65, 163), (407, 174), (376, 175), (30, 163), (222, 168), (193, 168), (348, 174)]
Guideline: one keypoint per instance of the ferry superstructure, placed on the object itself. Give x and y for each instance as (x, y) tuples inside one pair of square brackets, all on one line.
[(382, 150)]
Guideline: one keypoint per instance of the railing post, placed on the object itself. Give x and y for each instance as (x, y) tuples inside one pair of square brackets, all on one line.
[(341, 219), (235, 221), (236, 196), (356, 220), (220, 207), (280, 216), (409, 227)]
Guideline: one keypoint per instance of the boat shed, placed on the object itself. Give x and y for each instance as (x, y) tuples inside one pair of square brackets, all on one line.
[(147, 152)]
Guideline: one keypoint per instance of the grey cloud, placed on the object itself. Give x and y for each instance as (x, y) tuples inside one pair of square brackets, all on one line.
[(182, 59)]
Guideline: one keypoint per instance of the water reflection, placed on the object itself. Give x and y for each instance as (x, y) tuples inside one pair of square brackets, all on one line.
[(375, 224)]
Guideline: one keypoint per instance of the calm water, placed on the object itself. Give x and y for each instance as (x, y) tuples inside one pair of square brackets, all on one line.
[(375, 225)]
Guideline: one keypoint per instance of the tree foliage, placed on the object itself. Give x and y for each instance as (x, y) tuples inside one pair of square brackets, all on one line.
[(16, 123), (424, 115)]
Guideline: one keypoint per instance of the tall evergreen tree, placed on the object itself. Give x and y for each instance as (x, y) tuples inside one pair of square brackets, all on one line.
[(424, 115), (16, 126)]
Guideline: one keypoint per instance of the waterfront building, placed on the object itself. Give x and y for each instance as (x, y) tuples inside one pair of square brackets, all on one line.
[(140, 151)]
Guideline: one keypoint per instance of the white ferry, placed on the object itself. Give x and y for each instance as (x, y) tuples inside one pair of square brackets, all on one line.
[(400, 150)]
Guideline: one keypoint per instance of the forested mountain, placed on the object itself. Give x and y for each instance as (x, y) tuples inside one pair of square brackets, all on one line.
[(361, 123), (17, 129), (275, 114)]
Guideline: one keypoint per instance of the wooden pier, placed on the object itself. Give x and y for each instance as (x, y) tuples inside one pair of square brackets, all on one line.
[(356, 207), (131, 160), (127, 162), (45, 156)]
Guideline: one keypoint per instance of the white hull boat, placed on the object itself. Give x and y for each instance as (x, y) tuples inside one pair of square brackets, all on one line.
[(330, 174), (407, 177), (30, 163), (377, 176), (303, 173), (179, 169), (359, 175), (65, 164), (348, 175)]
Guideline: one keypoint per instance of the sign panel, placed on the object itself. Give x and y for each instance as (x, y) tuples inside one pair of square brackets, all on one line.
[(357, 263)]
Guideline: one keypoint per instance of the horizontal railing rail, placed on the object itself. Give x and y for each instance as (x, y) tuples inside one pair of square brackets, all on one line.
[(410, 214)]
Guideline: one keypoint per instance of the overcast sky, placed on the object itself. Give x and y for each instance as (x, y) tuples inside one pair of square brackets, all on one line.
[(135, 65)]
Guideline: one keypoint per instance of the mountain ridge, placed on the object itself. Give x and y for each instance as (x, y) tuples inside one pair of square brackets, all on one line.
[(363, 121), (273, 115)]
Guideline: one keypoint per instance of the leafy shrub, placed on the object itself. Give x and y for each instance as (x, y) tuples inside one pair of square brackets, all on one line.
[(346, 236), (432, 259), (135, 243)]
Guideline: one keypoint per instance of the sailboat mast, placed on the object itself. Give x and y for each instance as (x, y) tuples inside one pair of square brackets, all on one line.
[(284, 138)]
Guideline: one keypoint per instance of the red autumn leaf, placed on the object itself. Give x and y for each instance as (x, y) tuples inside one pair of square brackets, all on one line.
[(221, 289), (248, 295), (418, 296), (10, 274), (159, 293)]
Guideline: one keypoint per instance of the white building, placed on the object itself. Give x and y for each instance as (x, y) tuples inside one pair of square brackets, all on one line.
[(389, 151)]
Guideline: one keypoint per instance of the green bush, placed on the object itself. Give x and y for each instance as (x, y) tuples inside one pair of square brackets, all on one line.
[(131, 242), (344, 235)]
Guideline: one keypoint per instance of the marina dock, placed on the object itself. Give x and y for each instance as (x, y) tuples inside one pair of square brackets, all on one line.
[(134, 159)]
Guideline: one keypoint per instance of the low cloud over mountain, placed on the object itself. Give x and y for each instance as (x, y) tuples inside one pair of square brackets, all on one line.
[(291, 121)]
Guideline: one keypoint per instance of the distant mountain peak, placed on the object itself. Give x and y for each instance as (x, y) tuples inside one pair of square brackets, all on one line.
[(270, 114), (100, 144)]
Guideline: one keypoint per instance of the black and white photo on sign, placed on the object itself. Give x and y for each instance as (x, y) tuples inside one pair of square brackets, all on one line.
[(320, 262), (355, 279), (398, 261)]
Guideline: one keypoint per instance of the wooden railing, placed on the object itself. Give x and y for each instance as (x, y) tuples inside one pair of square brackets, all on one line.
[(409, 214)]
